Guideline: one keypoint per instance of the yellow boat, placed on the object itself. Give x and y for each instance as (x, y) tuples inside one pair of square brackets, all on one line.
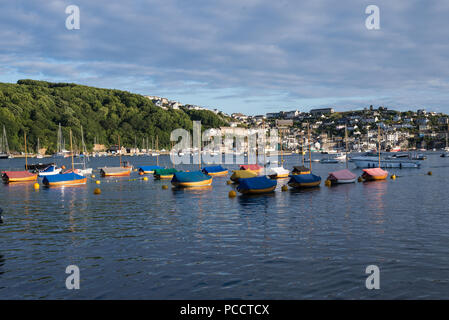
[(242, 174)]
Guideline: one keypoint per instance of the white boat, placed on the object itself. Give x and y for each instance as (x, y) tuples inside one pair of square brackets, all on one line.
[(49, 171), (278, 173), (373, 162)]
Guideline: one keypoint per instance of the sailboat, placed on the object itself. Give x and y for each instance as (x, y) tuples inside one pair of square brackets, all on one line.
[(123, 170), (259, 184), (343, 176), (156, 154), (84, 155), (445, 154), (215, 171), (38, 155), (4, 148), (305, 180), (279, 172), (65, 179), (375, 173), (192, 178), (20, 176)]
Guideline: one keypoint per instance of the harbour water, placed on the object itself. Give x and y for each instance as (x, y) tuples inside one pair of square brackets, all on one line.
[(139, 241)]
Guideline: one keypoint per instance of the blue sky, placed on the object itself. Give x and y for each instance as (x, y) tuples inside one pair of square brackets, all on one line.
[(250, 56)]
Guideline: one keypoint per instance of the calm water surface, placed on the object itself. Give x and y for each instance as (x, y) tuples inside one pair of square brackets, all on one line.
[(138, 241)]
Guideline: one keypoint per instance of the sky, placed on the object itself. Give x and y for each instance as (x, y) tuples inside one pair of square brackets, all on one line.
[(249, 56)]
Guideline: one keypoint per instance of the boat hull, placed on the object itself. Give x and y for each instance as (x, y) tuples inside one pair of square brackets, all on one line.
[(66, 183), (221, 173), (257, 191), (298, 185), (203, 183), (374, 163), (279, 176), (25, 179), (368, 177), (341, 181)]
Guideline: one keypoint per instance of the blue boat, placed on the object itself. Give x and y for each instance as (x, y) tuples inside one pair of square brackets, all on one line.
[(215, 171), (149, 169), (304, 181), (191, 179), (64, 179), (256, 185)]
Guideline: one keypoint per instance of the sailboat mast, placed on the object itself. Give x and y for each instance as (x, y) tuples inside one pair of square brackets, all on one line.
[(310, 151), (71, 151), (378, 138), (346, 146), (120, 151), (26, 159), (157, 150)]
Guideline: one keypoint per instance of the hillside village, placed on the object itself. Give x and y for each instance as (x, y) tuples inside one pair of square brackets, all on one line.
[(404, 130)]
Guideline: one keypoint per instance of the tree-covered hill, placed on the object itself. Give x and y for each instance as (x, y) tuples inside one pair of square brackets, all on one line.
[(37, 107)]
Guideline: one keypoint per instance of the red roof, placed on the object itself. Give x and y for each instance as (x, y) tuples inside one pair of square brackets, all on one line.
[(250, 167), (18, 174)]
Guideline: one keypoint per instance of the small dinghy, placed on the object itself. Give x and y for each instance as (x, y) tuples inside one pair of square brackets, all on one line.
[(51, 170), (191, 179), (215, 171), (374, 174), (64, 179), (256, 185), (149, 169), (278, 173), (242, 174), (342, 176), (300, 181), (115, 171), (252, 167), (163, 174), (300, 170), (18, 176)]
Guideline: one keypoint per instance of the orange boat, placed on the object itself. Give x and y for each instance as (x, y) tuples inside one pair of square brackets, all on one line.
[(18, 176), (374, 174)]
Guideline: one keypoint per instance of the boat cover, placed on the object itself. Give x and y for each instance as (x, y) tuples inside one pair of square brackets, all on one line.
[(195, 176), (50, 169), (18, 174), (305, 178), (61, 177), (277, 171), (254, 167), (165, 172), (342, 175), (149, 168), (114, 170), (239, 174), (299, 169), (214, 169), (256, 183), (375, 172)]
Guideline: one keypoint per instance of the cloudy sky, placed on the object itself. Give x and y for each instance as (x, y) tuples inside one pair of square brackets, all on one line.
[(250, 56)]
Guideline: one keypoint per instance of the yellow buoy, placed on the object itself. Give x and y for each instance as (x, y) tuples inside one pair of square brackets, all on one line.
[(165, 187), (229, 182), (92, 176), (429, 173), (97, 191), (97, 182), (145, 178), (393, 177), (36, 186), (232, 194), (327, 183), (284, 188)]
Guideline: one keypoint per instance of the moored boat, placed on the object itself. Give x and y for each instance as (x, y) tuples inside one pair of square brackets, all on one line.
[(278, 173), (300, 170), (18, 176), (149, 169), (64, 179), (342, 176), (252, 167), (242, 174), (50, 170), (256, 185), (374, 174), (191, 179), (300, 181), (115, 171), (163, 174), (215, 171)]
